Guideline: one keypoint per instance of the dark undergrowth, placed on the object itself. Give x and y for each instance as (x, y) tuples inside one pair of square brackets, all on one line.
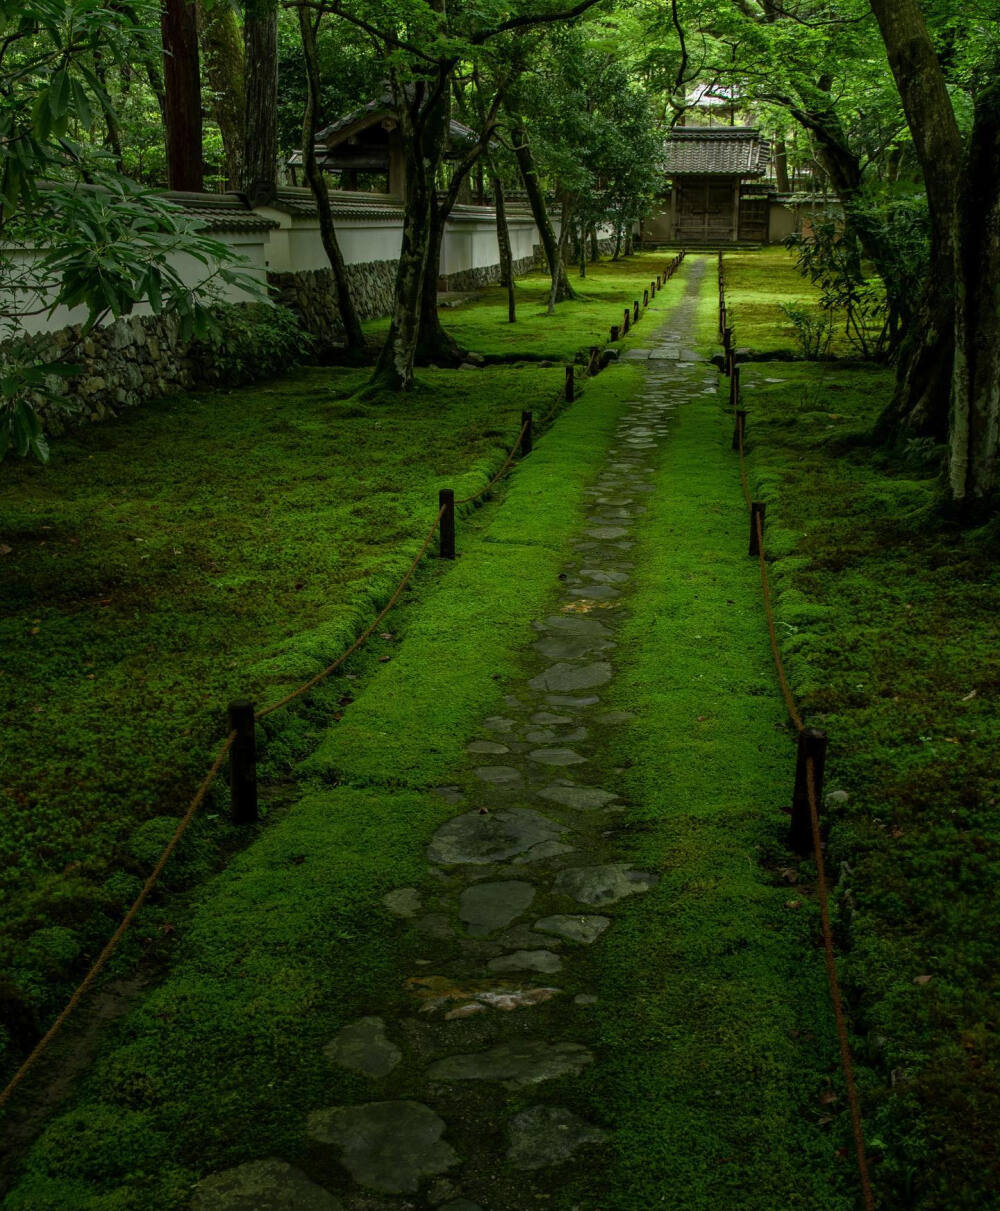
[(887, 616)]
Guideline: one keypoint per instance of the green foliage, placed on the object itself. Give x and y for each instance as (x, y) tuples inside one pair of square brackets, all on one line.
[(813, 329), (249, 342)]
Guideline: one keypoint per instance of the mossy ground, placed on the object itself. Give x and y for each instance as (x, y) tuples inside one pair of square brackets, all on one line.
[(291, 941), (888, 619), (204, 548)]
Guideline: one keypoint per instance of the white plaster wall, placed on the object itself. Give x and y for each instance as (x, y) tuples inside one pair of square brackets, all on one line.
[(251, 245)]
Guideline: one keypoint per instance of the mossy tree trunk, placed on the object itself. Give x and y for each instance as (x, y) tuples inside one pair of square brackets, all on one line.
[(308, 27), (561, 288), (222, 51), (182, 95), (504, 251), (963, 194), (260, 119)]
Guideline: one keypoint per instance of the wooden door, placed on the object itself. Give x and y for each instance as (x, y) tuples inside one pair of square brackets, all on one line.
[(753, 220), (704, 209)]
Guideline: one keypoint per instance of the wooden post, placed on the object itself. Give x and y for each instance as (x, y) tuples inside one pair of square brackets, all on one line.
[(727, 338), (243, 763), (811, 749), (635, 311), (570, 383), (731, 361), (645, 298), (734, 387), (757, 509), (526, 436), (625, 325), (659, 283), (594, 365), (446, 545), (614, 332), (739, 429)]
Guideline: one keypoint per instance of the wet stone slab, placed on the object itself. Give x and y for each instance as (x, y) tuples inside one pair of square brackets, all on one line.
[(549, 1135), (403, 902), (515, 1065), (487, 907), (498, 775), (268, 1185), (583, 929), (582, 798), (600, 885), (363, 1047), (564, 678), (543, 961), (386, 1146), (478, 840), (556, 756)]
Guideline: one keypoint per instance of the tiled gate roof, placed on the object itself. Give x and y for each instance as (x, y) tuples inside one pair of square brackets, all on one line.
[(716, 150)]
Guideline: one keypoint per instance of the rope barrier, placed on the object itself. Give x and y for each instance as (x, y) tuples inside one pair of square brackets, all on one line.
[(199, 796), (116, 937), (846, 1059), (216, 767)]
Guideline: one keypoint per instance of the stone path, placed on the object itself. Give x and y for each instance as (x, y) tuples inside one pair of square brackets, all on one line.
[(467, 1074)]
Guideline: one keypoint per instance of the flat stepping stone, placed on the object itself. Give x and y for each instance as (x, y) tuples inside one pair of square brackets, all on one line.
[(543, 961), (497, 723), (571, 701), (602, 577), (583, 798), (403, 902), (386, 1146), (539, 735), (606, 532), (268, 1185), (498, 774), (600, 885), (539, 853), (563, 678), (574, 929), (477, 840), (546, 718), (516, 1065), (549, 1135), (571, 647), (450, 794), (475, 996), (585, 998), (486, 746), (486, 907), (595, 592), (556, 756), (363, 1047)]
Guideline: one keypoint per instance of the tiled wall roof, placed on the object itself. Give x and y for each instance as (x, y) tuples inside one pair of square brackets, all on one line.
[(722, 150)]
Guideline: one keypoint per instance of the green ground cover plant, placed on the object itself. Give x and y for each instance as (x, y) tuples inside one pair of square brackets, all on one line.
[(203, 548), (760, 288), (291, 941), (887, 614), (608, 288)]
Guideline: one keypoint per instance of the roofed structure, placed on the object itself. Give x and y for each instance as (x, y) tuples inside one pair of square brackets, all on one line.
[(707, 166), (716, 151)]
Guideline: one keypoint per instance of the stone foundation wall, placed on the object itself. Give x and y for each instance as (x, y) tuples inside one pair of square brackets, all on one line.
[(145, 357), (312, 296), (484, 275)]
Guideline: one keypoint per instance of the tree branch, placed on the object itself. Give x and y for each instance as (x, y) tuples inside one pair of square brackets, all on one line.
[(528, 21)]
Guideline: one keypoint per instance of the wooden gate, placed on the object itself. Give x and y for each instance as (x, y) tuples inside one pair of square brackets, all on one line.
[(753, 220), (704, 209)]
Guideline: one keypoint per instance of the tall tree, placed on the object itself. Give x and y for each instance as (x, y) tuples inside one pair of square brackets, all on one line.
[(308, 27), (961, 323), (260, 120), (182, 92), (222, 52)]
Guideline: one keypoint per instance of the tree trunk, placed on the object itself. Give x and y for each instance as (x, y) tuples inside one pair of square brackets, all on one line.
[(222, 50), (529, 175), (581, 243), (260, 120), (503, 247), (179, 28), (618, 242), (435, 346), (328, 234), (964, 201), (595, 246), (781, 165), (564, 228)]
